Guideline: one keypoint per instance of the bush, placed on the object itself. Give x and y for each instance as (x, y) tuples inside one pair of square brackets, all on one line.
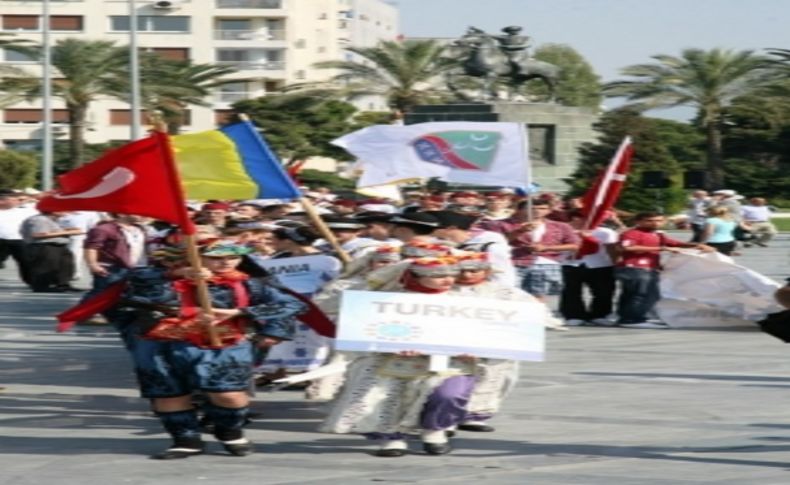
[(17, 170)]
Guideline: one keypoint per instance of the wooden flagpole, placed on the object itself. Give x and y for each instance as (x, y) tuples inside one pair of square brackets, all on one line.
[(188, 234)]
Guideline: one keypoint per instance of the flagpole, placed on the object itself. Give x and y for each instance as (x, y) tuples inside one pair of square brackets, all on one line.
[(188, 233), (527, 169), (134, 72)]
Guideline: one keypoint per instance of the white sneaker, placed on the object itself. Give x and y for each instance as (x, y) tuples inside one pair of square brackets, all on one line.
[(574, 322), (602, 322), (648, 325)]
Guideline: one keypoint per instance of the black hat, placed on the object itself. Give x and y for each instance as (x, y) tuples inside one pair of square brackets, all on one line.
[(340, 223), (372, 216), (9, 193), (422, 219), (449, 218)]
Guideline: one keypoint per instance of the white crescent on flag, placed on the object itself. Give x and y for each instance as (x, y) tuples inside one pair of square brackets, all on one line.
[(114, 181)]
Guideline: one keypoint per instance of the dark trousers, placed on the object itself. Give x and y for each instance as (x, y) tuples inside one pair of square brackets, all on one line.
[(698, 233), (639, 293), (52, 266), (600, 281), (725, 248), (15, 248)]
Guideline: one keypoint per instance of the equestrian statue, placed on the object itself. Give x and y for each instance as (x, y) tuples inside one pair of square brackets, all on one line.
[(497, 58)]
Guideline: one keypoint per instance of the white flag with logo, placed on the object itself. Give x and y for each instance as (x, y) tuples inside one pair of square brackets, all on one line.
[(479, 153)]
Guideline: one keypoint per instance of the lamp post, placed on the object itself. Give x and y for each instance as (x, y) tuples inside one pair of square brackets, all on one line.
[(134, 71), (46, 94)]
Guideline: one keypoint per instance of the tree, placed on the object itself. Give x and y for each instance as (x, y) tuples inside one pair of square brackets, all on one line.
[(17, 169), (300, 126), (578, 84), (88, 70), (406, 73), (652, 151), (706, 80), (14, 82), (169, 86)]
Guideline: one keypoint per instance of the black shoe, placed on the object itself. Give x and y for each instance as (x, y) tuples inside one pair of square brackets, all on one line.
[(177, 453), (69, 289), (449, 433), (239, 449), (48, 290), (479, 428), (393, 453), (437, 448)]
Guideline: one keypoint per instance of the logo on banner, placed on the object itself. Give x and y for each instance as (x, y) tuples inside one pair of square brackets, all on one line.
[(460, 150), (394, 331)]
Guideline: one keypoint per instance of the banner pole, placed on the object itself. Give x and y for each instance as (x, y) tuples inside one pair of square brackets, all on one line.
[(188, 232), (319, 224)]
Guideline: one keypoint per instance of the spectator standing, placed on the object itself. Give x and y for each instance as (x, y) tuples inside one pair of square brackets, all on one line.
[(757, 216), (697, 211), (114, 247), (84, 221), (12, 215), (594, 270), (47, 247)]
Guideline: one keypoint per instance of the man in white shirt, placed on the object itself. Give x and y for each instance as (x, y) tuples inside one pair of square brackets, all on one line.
[(757, 216), (11, 243), (591, 266)]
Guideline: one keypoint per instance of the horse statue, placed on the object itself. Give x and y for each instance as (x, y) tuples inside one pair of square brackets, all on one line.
[(493, 58)]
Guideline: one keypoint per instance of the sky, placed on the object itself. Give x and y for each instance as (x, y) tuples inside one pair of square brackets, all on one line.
[(611, 34)]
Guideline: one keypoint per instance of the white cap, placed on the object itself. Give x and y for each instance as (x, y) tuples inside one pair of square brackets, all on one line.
[(31, 191), (262, 203), (385, 208), (727, 192)]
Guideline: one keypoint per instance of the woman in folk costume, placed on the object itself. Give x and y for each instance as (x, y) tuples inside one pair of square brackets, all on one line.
[(387, 395), (300, 267), (159, 318), (497, 377), (328, 300)]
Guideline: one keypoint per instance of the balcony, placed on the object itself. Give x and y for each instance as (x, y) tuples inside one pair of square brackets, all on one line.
[(232, 97), (271, 4), (261, 65), (253, 35)]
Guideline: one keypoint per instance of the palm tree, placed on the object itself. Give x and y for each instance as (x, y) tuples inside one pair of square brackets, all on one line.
[(168, 86), (706, 80), (403, 72), (87, 71)]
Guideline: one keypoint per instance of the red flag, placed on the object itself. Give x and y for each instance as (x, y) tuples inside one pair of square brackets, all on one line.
[(91, 306), (138, 178), (602, 196)]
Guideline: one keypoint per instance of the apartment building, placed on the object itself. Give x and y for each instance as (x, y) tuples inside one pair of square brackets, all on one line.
[(271, 43)]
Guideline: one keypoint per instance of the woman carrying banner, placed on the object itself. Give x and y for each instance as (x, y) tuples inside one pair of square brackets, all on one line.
[(496, 377), (388, 395), (159, 320)]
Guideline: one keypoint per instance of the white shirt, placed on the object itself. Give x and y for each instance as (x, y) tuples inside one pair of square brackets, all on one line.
[(756, 213), (135, 237), (498, 250), (601, 258), (11, 221)]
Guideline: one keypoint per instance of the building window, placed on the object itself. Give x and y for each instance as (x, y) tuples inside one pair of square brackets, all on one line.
[(148, 23), (20, 22), (12, 56), (171, 53), (300, 44), (72, 23), (123, 117), (33, 116), (68, 23)]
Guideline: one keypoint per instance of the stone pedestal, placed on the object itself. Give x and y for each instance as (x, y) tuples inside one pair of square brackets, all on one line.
[(555, 132)]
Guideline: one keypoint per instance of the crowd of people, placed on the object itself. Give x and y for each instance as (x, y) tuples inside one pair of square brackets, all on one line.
[(266, 263)]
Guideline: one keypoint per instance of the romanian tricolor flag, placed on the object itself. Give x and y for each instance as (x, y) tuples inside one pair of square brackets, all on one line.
[(233, 162)]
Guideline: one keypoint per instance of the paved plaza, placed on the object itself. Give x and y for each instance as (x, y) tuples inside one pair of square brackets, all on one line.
[(608, 407)]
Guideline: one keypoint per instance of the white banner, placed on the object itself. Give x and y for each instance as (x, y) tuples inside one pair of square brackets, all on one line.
[(479, 153), (373, 321)]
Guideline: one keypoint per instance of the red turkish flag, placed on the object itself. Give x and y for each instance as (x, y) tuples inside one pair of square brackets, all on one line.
[(600, 199), (138, 178)]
